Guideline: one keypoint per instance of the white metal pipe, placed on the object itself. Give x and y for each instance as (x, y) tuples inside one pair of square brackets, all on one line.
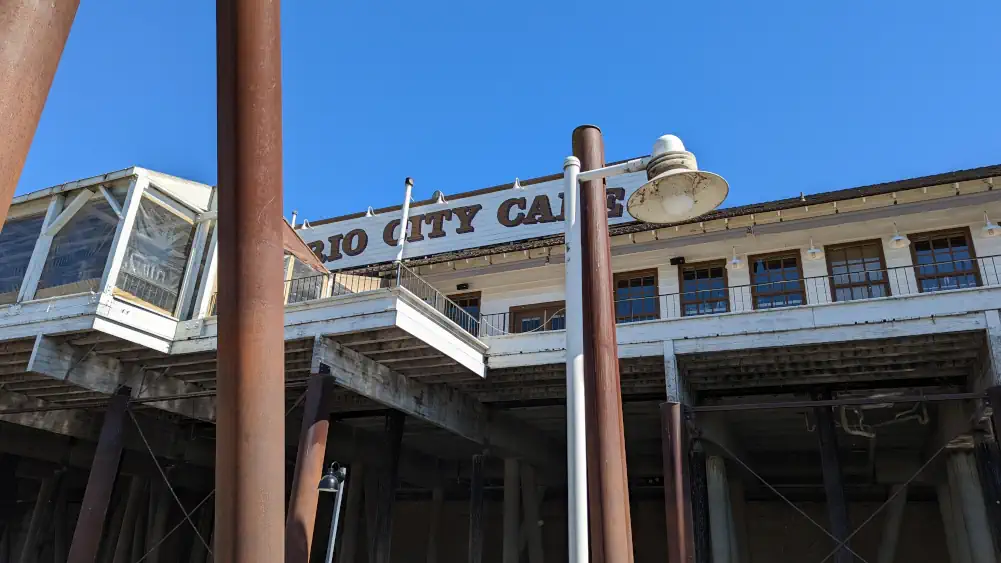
[(404, 219), (576, 425), (336, 517), (634, 165)]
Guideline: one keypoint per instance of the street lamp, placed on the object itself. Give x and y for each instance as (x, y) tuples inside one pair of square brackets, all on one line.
[(676, 190), (333, 482)]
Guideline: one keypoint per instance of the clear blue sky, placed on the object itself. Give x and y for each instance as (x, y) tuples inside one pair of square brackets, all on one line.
[(778, 97)]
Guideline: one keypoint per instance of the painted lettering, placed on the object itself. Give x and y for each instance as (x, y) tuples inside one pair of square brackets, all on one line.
[(504, 212), (437, 219), (415, 228), (335, 248), (540, 212), (317, 247), (465, 215), (355, 242), (389, 232), (563, 212)]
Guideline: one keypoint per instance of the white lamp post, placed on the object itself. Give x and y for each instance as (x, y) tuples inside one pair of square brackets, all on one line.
[(675, 191)]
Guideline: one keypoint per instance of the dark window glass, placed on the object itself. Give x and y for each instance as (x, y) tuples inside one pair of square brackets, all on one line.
[(538, 318), (636, 297), (944, 260), (857, 271), (470, 303), (17, 243), (703, 289), (776, 281)]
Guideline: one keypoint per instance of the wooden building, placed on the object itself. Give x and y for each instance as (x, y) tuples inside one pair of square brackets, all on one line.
[(447, 370)]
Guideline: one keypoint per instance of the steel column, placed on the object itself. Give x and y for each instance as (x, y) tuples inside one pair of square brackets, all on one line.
[(837, 507), (601, 362), (677, 488), (308, 470), (100, 484), (250, 445), (32, 37)]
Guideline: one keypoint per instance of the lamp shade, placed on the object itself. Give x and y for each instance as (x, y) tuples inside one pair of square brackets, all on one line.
[(676, 189), (331, 480)]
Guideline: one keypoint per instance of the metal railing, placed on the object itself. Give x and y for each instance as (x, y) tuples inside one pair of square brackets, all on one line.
[(419, 287), (839, 287), (147, 291)]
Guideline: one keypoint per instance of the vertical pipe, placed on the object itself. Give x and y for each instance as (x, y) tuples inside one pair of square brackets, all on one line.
[(434, 524), (512, 511), (382, 531), (718, 490), (404, 220), (250, 449), (616, 528), (33, 37), (335, 520), (308, 470), (677, 491), (837, 507), (353, 513), (100, 483), (476, 511), (576, 405), (963, 476), (891, 527), (30, 546), (955, 532)]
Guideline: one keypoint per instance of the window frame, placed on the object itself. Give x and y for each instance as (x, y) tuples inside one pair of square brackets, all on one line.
[(517, 311), (474, 330), (965, 231), (632, 274), (791, 253), (830, 269), (721, 263)]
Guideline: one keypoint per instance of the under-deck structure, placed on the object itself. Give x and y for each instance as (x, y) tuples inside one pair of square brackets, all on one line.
[(832, 354)]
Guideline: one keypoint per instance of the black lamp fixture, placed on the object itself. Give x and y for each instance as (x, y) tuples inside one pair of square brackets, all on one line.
[(332, 479)]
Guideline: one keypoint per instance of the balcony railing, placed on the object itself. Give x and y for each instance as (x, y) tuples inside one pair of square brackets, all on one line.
[(839, 287)]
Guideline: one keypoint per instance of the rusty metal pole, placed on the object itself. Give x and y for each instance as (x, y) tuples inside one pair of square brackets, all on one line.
[(677, 487), (603, 365), (250, 445), (32, 37), (100, 484), (308, 470)]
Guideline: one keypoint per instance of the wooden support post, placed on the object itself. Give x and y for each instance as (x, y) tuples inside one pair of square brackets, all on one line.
[(677, 484), (94, 508), (382, 534), (718, 491), (476, 511), (29, 549), (434, 524), (162, 505), (512, 511), (837, 508), (955, 533), (963, 474), (891, 527), (133, 505), (353, 514), (700, 504), (531, 500), (308, 470)]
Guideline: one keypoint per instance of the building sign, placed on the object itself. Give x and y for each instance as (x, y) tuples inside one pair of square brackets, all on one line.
[(494, 218)]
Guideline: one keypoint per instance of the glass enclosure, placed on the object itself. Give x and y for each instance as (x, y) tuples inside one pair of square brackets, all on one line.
[(155, 256), (79, 251), (17, 242)]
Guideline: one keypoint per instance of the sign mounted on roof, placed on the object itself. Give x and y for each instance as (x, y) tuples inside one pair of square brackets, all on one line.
[(492, 218)]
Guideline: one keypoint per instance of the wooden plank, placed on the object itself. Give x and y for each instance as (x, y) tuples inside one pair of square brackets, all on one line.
[(33, 271), (437, 404), (120, 241), (476, 516), (43, 504), (382, 532), (76, 204)]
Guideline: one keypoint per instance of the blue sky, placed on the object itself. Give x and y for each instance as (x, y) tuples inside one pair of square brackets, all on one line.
[(778, 97)]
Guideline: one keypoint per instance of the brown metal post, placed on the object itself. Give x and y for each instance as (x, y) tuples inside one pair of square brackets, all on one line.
[(677, 488), (32, 37), (601, 358), (250, 445), (834, 488), (308, 470), (100, 484)]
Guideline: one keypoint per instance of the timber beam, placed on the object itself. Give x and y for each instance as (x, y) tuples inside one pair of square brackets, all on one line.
[(437, 404)]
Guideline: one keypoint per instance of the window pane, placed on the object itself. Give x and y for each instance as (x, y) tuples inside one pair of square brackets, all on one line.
[(79, 251), (17, 242), (156, 255)]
